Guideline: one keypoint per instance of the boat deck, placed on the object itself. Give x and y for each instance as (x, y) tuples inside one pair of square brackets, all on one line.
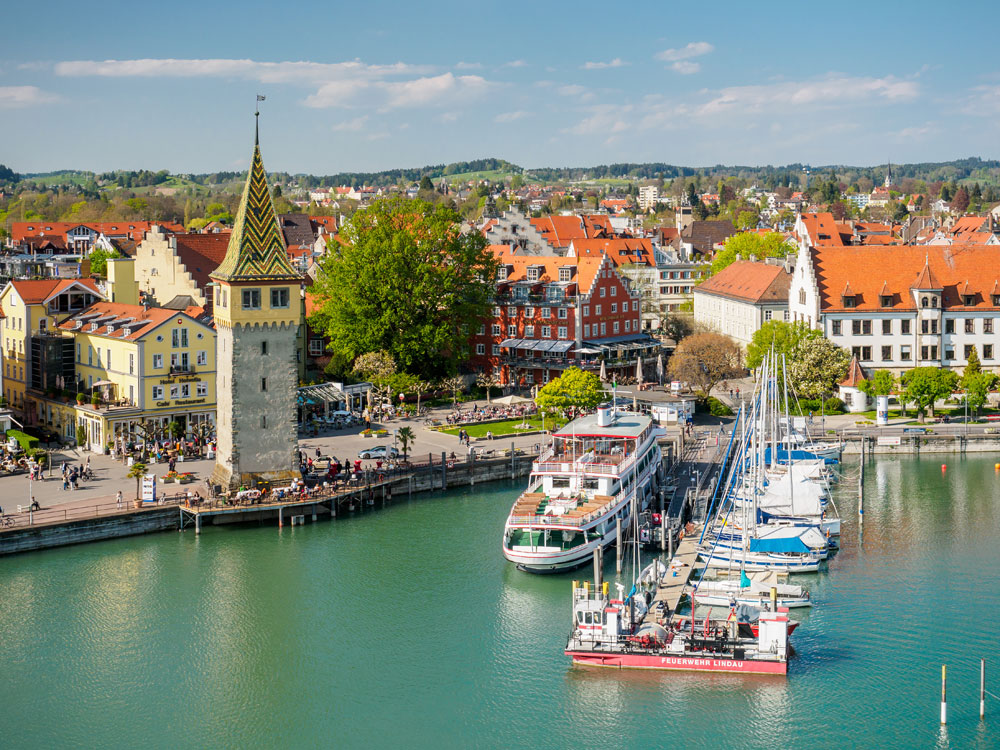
[(669, 592)]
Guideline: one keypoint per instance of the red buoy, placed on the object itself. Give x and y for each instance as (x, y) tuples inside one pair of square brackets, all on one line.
[(944, 467)]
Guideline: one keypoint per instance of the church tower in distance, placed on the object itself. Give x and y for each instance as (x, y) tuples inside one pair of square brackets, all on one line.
[(257, 317)]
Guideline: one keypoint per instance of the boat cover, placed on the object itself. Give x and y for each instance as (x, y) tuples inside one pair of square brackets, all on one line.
[(795, 455), (779, 545), (786, 497)]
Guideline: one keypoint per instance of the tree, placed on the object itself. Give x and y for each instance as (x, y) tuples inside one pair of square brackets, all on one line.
[(747, 220), (881, 383), (677, 327), (405, 280), (454, 384), (972, 365), (406, 438), (785, 338), (575, 388), (420, 387), (426, 184), (137, 472), (976, 383), (960, 201), (375, 366), (751, 246), (488, 380), (705, 359), (925, 385), (99, 260), (817, 367)]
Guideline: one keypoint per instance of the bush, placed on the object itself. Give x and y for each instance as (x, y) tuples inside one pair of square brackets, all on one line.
[(81, 397), (807, 405), (713, 406), (81, 435), (27, 442), (833, 405)]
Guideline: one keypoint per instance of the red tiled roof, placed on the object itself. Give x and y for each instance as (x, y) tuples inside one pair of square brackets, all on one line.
[(583, 277), (201, 254), (143, 320), (904, 268), (132, 229), (822, 229), (40, 291), (855, 374), (749, 281), (620, 251), (559, 231)]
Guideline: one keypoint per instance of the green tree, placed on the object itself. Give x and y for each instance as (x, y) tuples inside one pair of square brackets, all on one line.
[(976, 383), (747, 220), (405, 280), (925, 385), (751, 246), (972, 365), (406, 438), (377, 367), (488, 380), (705, 359), (881, 383), (785, 338), (817, 367), (99, 260), (574, 388), (137, 472)]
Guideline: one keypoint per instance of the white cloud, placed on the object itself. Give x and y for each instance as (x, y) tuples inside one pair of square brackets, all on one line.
[(423, 91), (17, 97), (468, 66), (616, 63), (515, 64), (831, 91), (694, 49), (573, 89), (914, 132), (685, 67), (510, 116), (448, 117), (351, 126), (983, 100), (604, 119)]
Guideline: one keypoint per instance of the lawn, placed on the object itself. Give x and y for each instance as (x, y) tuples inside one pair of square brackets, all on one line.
[(952, 412), (506, 427)]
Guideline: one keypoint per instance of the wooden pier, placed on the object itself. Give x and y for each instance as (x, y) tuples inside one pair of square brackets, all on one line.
[(679, 572)]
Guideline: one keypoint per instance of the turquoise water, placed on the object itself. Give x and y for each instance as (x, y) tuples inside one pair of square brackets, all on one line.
[(407, 628)]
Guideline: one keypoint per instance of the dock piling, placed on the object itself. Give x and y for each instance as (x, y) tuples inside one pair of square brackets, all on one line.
[(663, 528), (618, 545), (944, 693), (597, 568), (513, 453), (982, 689)]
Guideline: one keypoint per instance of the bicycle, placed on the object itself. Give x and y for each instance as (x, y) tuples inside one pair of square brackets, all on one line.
[(6, 521)]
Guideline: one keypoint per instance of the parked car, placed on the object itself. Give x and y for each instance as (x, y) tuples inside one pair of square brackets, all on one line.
[(379, 451)]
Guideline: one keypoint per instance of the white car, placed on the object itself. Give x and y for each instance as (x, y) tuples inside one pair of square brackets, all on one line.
[(379, 451)]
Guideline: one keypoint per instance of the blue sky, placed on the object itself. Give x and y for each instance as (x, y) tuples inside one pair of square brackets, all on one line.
[(365, 86)]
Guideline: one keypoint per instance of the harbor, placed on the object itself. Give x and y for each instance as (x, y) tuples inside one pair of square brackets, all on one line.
[(183, 615)]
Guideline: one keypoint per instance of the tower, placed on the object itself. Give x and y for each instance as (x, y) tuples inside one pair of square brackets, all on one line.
[(257, 316)]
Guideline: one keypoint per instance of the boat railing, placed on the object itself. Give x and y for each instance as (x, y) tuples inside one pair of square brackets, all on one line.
[(584, 467), (535, 519)]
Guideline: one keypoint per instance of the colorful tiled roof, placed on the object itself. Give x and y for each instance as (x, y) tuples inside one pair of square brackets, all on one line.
[(855, 374), (37, 292), (256, 250), (621, 251), (137, 320), (201, 254), (750, 282)]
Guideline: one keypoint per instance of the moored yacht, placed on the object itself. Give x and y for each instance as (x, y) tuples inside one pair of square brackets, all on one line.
[(600, 468)]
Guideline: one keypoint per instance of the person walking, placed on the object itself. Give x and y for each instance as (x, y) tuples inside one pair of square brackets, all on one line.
[(118, 500)]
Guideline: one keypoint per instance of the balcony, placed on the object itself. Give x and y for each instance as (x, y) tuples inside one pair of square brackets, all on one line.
[(181, 369)]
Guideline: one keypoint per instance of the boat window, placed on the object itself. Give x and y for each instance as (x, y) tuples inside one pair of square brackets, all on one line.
[(589, 618), (562, 482), (579, 617)]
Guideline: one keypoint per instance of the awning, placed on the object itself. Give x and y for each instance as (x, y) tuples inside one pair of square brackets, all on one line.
[(562, 346), (512, 343), (545, 346), (99, 383)]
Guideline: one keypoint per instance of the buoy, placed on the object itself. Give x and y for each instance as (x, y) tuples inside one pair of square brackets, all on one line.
[(996, 467), (944, 467)]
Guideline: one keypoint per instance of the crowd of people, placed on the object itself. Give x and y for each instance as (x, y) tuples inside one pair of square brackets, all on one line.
[(490, 412)]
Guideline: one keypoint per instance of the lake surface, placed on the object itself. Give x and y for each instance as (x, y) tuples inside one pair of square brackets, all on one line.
[(406, 627)]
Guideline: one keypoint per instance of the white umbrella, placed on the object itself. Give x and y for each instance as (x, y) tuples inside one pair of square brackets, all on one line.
[(659, 367), (510, 400), (604, 375), (638, 370)]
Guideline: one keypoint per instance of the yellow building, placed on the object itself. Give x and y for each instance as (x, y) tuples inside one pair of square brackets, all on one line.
[(148, 366), (31, 361)]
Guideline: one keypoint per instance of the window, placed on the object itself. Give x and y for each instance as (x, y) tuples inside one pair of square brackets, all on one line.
[(496, 312), (175, 391), (949, 326), (802, 296), (90, 355), (925, 326), (263, 421), (496, 350), (496, 329), (480, 348), (201, 389), (482, 329), (923, 302), (968, 350), (923, 352), (563, 313), (533, 272), (628, 325), (78, 347), (529, 331), (996, 300), (987, 325), (529, 312), (546, 312), (849, 301), (949, 353), (603, 291), (562, 332), (251, 299), (904, 353), (614, 291), (185, 390), (614, 307), (970, 325), (968, 300), (886, 300), (546, 332), (512, 330), (157, 392), (614, 327), (157, 361), (202, 358), (866, 327), (767, 315), (263, 348), (586, 330), (597, 310), (934, 304), (586, 311), (315, 347), (225, 300), (836, 327), (886, 353), (511, 311), (604, 329), (934, 325), (866, 353), (856, 327), (263, 384), (179, 338), (886, 327), (131, 363), (784, 315), (635, 305), (987, 351), (279, 298), (904, 326)]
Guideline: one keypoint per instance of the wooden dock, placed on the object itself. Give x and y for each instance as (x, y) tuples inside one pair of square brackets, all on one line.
[(672, 587)]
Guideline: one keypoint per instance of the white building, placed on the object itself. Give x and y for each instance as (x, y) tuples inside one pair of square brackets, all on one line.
[(903, 306), (738, 300), (649, 196)]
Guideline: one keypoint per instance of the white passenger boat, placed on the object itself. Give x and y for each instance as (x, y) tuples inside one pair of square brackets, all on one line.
[(599, 468), (753, 591)]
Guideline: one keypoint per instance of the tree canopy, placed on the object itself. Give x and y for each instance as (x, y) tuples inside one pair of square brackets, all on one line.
[(706, 359), (818, 365), (925, 385), (406, 281), (786, 338), (99, 260), (751, 246), (574, 388), (881, 383)]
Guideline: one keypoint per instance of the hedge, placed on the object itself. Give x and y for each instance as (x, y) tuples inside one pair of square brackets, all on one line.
[(27, 442)]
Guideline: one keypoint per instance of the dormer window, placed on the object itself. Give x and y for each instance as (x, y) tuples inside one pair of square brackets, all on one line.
[(933, 301), (534, 272), (502, 272), (886, 300), (566, 273), (923, 302), (996, 300), (968, 300), (850, 300)]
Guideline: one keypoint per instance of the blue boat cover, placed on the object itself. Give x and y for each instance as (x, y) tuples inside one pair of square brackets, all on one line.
[(796, 455), (785, 544)]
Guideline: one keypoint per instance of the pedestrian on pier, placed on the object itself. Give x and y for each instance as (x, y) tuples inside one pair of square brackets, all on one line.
[(118, 500)]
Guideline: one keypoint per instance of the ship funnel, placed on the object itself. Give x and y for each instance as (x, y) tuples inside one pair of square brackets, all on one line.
[(605, 415)]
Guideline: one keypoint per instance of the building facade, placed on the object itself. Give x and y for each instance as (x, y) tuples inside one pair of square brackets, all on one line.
[(739, 299), (258, 311)]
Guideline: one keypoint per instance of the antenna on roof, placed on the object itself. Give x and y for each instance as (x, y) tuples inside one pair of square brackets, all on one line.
[(256, 114)]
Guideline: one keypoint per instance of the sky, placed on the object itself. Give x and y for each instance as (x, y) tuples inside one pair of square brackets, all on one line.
[(367, 86)]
